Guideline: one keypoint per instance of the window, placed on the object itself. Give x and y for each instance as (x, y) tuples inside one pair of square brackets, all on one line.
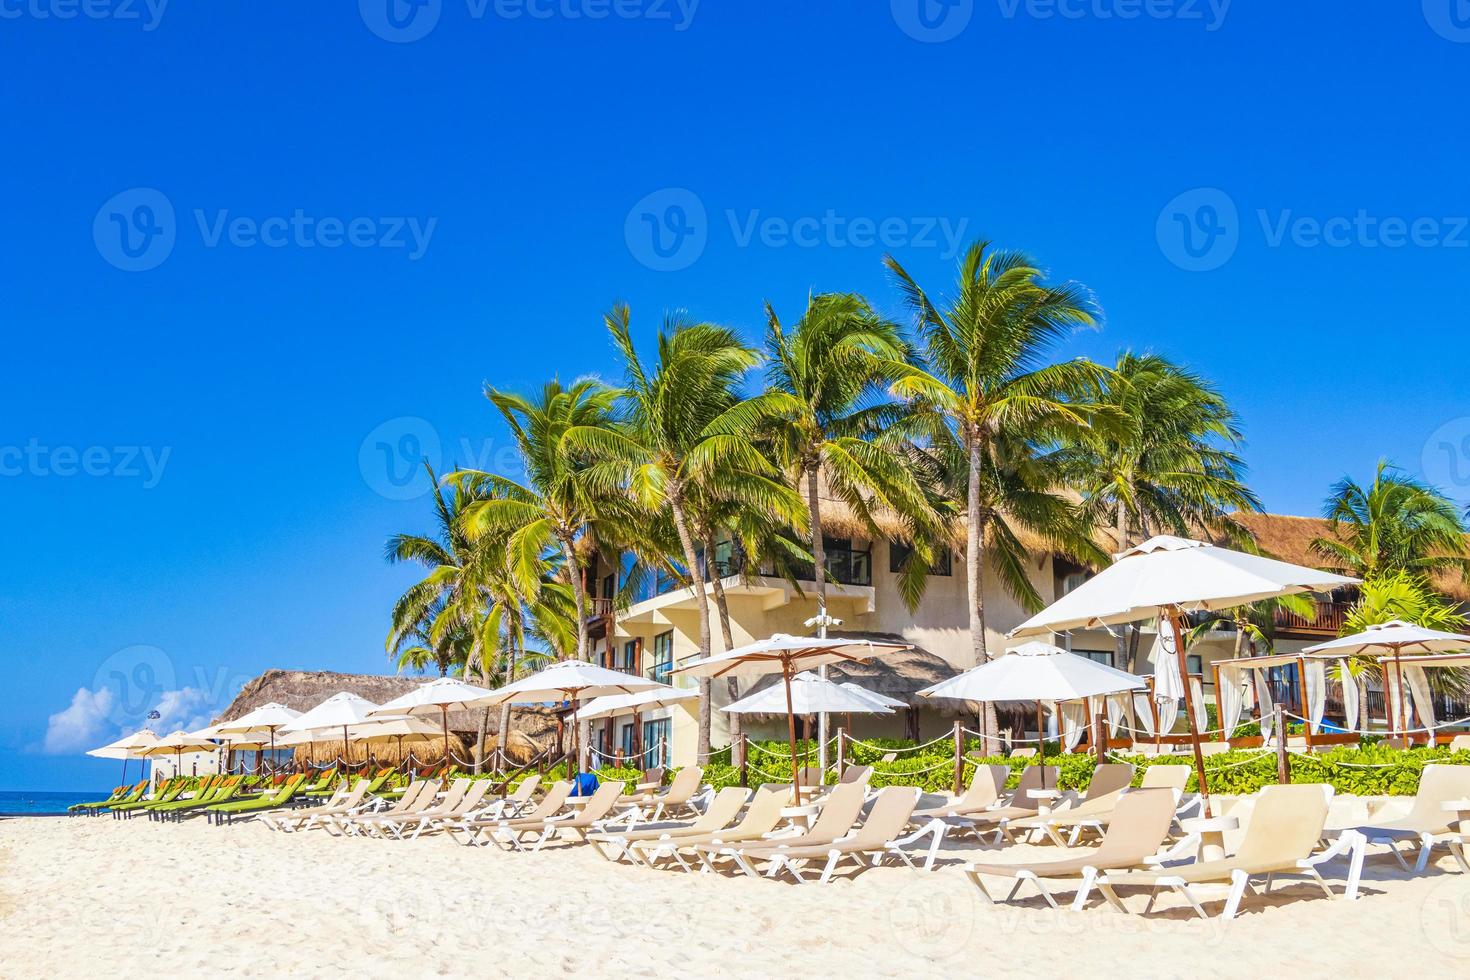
[(625, 738), (1104, 657), (608, 588), (898, 553), (1194, 663), (1070, 582), (656, 739), (630, 657), (663, 656)]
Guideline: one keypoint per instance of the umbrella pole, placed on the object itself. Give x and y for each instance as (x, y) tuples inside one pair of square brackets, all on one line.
[(444, 719), (791, 731), (1199, 755), (577, 741), (1041, 744), (273, 748), (1403, 711)]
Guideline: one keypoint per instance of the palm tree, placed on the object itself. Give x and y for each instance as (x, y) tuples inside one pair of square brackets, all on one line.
[(993, 399), (1170, 466), (436, 613), (1395, 524), (684, 422), (553, 507), (835, 365)]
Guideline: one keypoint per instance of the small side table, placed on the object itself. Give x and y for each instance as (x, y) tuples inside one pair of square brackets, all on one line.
[(801, 816), (1211, 832), (1045, 799)]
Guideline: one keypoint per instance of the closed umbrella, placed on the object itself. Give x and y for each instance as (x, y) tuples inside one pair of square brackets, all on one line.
[(1037, 672), (1397, 637), (787, 655), (571, 680), (1168, 578), (438, 697)]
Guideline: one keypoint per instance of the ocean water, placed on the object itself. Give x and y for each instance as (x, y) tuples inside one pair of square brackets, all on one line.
[(23, 803)]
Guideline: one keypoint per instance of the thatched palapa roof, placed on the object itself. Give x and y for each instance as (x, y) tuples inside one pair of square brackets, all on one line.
[(1290, 539)]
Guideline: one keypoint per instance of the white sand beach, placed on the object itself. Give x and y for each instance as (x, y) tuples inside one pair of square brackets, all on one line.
[(82, 895)]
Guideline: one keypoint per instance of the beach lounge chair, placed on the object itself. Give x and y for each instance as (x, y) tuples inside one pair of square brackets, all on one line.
[(418, 795), (480, 831), (225, 813), (1427, 820), (445, 812), (761, 818), (1280, 839), (881, 834), (221, 791), (324, 786), (344, 801), (120, 794), (580, 821), (1139, 828), (835, 820), (384, 824), (724, 808), (1460, 743), (678, 798), (514, 804), (986, 786), (167, 793), (1109, 781), (1020, 805)]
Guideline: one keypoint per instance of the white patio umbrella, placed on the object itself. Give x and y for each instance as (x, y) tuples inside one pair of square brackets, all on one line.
[(177, 743), (342, 710), (128, 747), (437, 697), (1168, 577), (572, 680), (610, 705), (1397, 637), (881, 700), (266, 718), (787, 655), (810, 695), (1037, 672)]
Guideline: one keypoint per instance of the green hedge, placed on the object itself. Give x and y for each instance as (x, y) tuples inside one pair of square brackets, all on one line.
[(1232, 773)]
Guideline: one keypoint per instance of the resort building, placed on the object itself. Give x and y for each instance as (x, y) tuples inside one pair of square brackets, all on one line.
[(660, 628)]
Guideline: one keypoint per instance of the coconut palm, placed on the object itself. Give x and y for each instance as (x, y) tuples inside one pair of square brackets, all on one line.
[(1405, 596), (437, 612), (556, 502), (1170, 466), (685, 424), (993, 399), (1395, 524), (836, 365)]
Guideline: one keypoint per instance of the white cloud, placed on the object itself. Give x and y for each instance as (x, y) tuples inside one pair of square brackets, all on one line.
[(89, 720), (82, 725)]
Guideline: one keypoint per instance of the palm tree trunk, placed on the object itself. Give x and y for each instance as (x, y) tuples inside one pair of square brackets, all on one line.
[(701, 604), (510, 675), (819, 556), (579, 596), (732, 686), (1123, 654), (975, 584)]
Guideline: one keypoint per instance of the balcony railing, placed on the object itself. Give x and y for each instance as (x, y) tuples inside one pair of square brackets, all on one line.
[(1328, 619)]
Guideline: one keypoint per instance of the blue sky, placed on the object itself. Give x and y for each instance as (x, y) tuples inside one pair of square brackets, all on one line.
[(256, 252)]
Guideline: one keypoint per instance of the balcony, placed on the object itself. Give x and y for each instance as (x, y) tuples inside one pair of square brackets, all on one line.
[(1327, 621)]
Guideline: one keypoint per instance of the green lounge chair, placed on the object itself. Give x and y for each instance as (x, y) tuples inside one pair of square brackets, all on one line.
[(325, 786), (176, 810), (226, 812), (122, 794), (167, 794)]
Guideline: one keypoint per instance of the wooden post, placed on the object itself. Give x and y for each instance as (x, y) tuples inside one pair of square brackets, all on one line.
[(1100, 736), (744, 760), (959, 758), (1301, 697), (1283, 761), (841, 755)]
